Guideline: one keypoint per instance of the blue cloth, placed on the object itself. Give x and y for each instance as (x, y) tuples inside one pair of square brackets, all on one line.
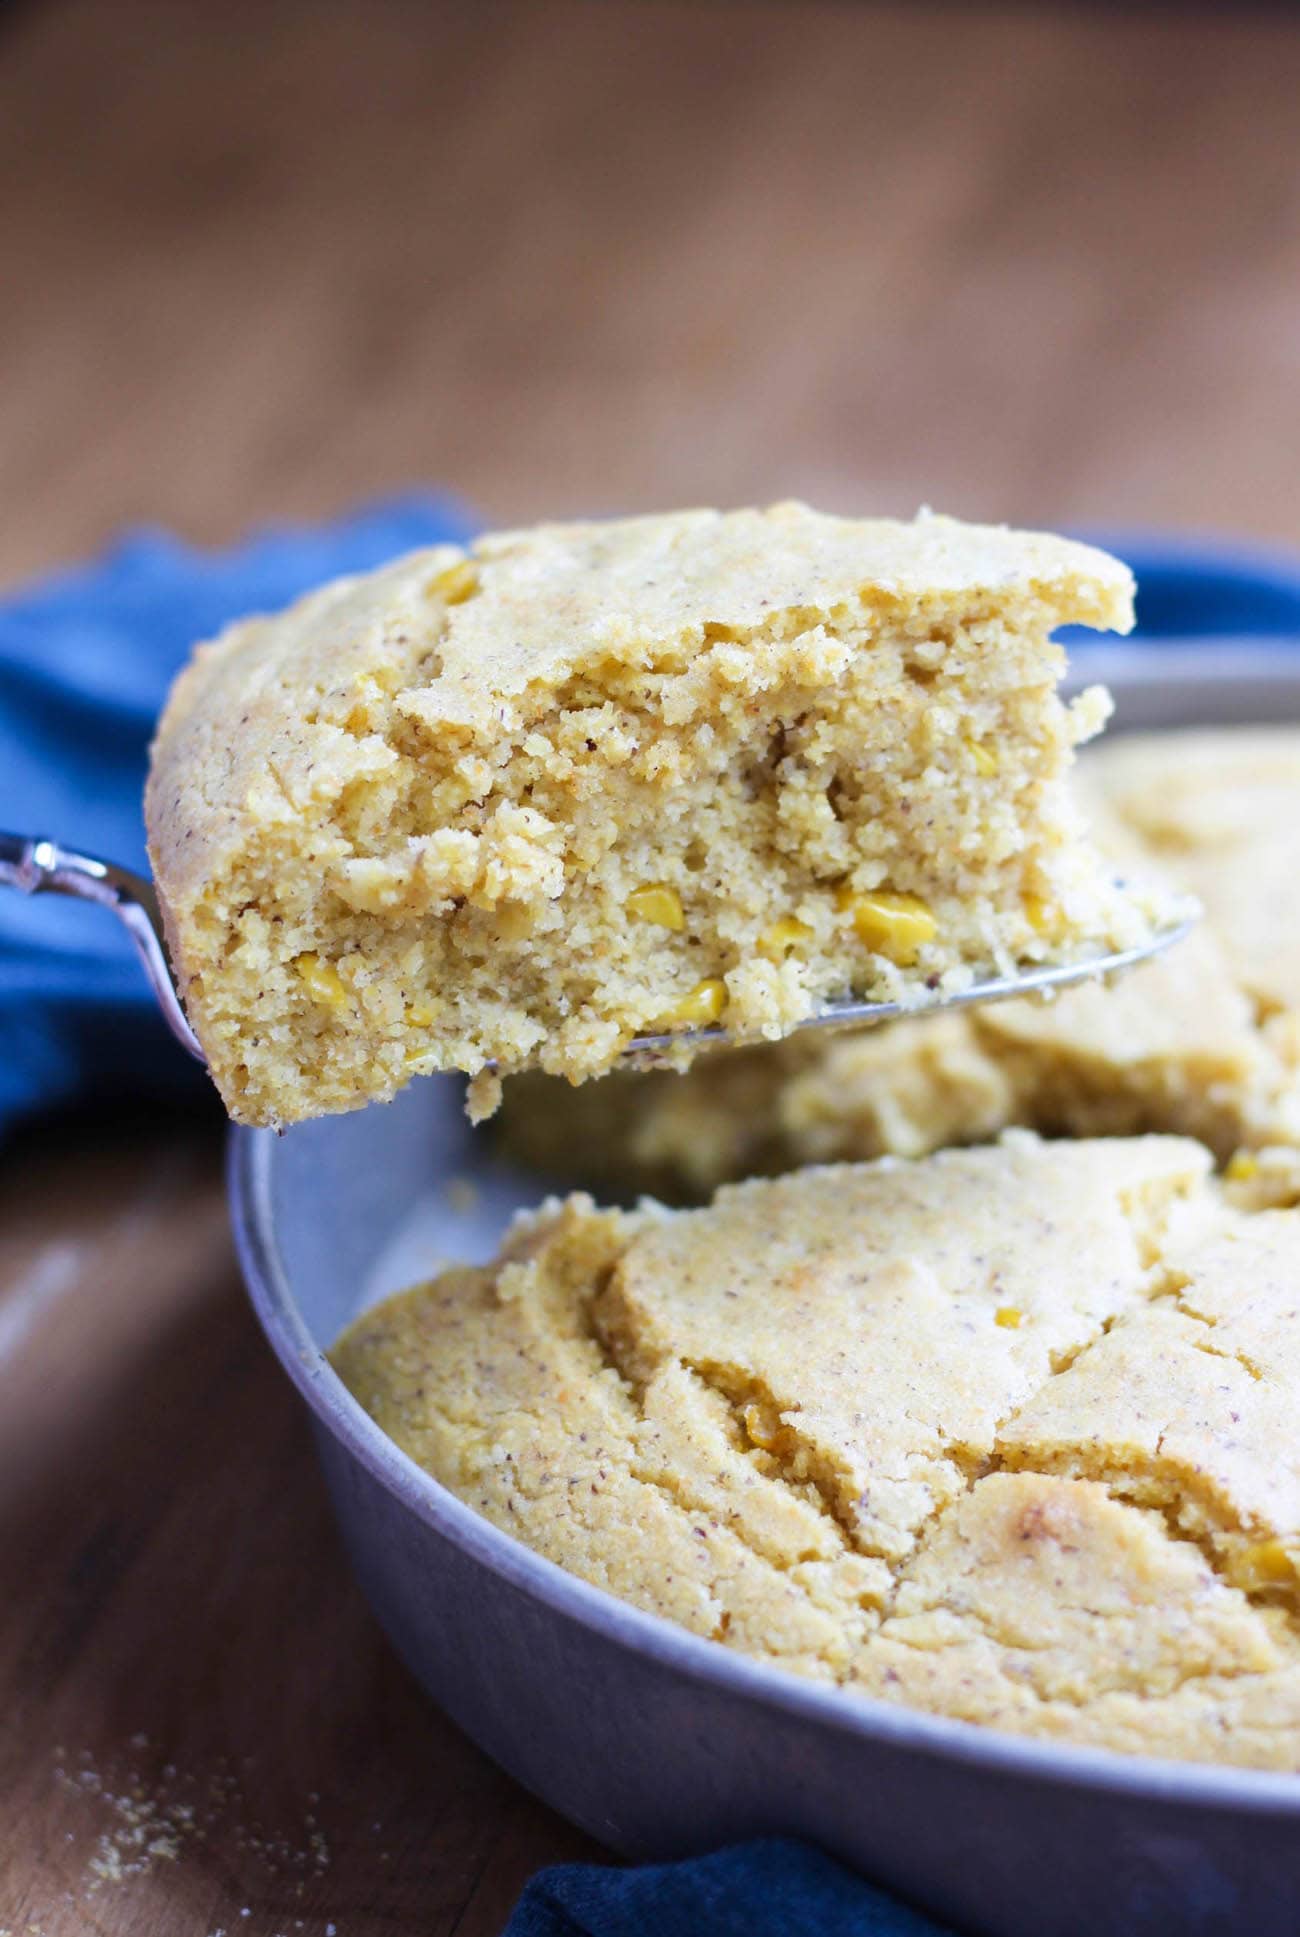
[(1202, 589), (85, 659), (773, 1888)]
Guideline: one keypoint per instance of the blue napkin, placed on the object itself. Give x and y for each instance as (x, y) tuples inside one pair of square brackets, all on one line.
[(1202, 589), (773, 1888), (85, 659)]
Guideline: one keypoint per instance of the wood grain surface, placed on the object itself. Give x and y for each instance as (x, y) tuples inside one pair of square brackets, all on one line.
[(260, 259)]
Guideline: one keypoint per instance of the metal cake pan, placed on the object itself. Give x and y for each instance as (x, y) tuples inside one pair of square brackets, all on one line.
[(659, 1743)]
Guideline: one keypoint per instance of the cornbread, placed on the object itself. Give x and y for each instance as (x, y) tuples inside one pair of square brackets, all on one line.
[(519, 805), (1007, 1434), (1202, 1041)]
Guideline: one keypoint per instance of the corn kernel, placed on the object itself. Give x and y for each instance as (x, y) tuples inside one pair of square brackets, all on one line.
[(421, 1014), (763, 1427), (458, 583), (322, 981), (1008, 1317), (703, 1005), (984, 758), (895, 925), (517, 920), (1241, 1167), (657, 903), (784, 935), (1266, 1564), (1043, 917)]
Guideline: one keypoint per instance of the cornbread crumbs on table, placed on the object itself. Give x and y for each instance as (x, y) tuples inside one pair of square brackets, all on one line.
[(1202, 1041), (520, 805), (1005, 1434)]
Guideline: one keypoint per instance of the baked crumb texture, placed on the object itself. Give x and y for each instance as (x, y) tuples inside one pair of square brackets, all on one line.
[(1006, 1434), (585, 782), (1203, 1041)]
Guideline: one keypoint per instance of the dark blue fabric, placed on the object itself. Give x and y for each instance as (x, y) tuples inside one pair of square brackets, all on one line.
[(85, 659), (774, 1888), (1193, 590)]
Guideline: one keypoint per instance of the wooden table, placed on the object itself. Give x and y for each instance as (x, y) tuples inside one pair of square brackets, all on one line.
[(262, 258)]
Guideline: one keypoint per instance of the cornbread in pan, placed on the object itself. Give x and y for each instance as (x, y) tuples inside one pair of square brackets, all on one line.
[(1202, 1041), (1007, 1434), (520, 805)]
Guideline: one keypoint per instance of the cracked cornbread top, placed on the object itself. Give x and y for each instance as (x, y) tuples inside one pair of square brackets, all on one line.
[(522, 804), (1007, 1434)]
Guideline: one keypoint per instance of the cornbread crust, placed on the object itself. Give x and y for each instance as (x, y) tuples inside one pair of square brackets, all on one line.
[(1007, 1433), (1203, 1041), (520, 805)]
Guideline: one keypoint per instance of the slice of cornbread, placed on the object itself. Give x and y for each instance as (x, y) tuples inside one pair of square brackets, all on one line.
[(1203, 1041), (592, 781), (1005, 1433)]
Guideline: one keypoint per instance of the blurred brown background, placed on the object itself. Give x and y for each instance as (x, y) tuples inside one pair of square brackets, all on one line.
[(261, 258), (1027, 262)]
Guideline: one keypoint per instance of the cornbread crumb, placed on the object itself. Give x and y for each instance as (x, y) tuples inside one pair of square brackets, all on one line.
[(799, 1422), (143, 1811), (1203, 1041), (593, 781)]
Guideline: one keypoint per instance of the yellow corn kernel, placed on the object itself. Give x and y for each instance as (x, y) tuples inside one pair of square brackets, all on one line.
[(322, 981), (421, 1014), (1265, 1564), (1241, 1167), (517, 920), (784, 935), (1043, 917), (986, 761), (890, 924), (1008, 1317), (657, 903), (368, 690), (458, 583), (703, 1005), (763, 1427)]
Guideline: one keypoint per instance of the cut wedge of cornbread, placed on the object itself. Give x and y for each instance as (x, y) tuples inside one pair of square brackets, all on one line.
[(589, 782), (1007, 1434), (1203, 1041)]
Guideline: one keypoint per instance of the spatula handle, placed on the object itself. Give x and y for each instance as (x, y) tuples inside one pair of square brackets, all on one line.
[(36, 865)]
